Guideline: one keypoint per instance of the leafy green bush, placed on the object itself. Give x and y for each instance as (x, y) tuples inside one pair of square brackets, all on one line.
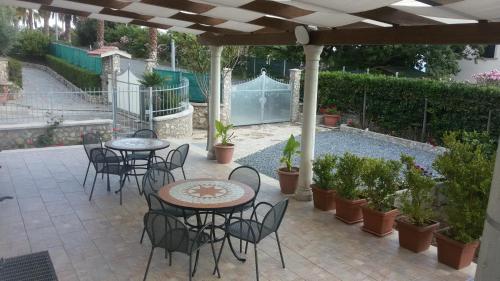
[(32, 43), (291, 149), (348, 176), (416, 201), (222, 132), (397, 104), (16, 72), (323, 171), (86, 32), (82, 78), (7, 30), (468, 172), (381, 178), (152, 79)]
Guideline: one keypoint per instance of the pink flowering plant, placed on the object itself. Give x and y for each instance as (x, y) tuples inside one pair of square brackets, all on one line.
[(488, 78)]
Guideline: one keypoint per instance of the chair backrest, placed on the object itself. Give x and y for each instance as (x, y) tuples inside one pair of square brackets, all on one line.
[(145, 134), (247, 175), (91, 141), (166, 231), (273, 218), (153, 180), (101, 157), (178, 156)]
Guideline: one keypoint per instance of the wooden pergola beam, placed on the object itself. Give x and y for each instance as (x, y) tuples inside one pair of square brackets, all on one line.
[(395, 17)]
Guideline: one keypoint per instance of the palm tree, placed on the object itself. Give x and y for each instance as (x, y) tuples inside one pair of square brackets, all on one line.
[(25, 16), (46, 17), (153, 44), (100, 34), (67, 27)]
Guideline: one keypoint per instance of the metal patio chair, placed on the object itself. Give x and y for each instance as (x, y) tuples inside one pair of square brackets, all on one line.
[(91, 141), (169, 233), (105, 162), (175, 159), (253, 231), (145, 156)]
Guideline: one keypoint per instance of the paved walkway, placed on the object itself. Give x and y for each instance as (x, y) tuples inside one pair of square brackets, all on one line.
[(36, 80), (98, 240)]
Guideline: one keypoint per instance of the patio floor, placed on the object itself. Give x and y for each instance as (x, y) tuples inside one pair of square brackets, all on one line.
[(99, 240)]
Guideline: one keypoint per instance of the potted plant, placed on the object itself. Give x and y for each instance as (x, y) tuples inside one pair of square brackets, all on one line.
[(331, 117), (416, 227), (381, 179), (348, 199), (467, 167), (289, 175), (323, 186), (225, 149)]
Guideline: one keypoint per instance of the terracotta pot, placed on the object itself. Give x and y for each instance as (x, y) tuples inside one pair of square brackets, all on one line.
[(378, 223), (324, 199), (454, 253), (288, 180), (331, 120), (224, 153), (415, 238), (349, 211)]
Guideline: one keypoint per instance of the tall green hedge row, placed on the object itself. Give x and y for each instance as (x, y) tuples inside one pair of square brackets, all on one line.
[(397, 104), (82, 78), (15, 72)]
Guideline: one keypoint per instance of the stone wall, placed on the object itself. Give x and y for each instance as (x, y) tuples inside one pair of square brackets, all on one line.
[(4, 69), (175, 125), (67, 133), (200, 115)]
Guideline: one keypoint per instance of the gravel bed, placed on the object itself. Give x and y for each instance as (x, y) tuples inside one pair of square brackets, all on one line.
[(266, 161)]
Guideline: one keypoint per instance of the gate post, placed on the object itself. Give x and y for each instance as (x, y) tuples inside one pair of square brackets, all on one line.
[(225, 113), (295, 75), (151, 108), (114, 102)]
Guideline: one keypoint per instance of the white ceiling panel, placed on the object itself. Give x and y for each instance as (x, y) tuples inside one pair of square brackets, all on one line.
[(149, 10), (76, 6), (230, 13), (186, 30), (20, 4), (227, 3), (172, 22), (110, 18), (239, 26), (327, 19), (480, 9), (352, 6), (438, 12)]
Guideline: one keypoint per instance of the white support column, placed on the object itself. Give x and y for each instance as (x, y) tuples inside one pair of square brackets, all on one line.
[(489, 254), (214, 103), (313, 53)]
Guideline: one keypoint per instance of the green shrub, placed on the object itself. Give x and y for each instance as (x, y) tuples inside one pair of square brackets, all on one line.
[(397, 104), (33, 43), (7, 29), (381, 178), (468, 172), (82, 78), (348, 176), (16, 72), (152, 79), (222, 132), (323, 171)]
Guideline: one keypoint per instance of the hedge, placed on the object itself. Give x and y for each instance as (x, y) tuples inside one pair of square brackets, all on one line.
[(80, 77), (396, 105), (16, 72)]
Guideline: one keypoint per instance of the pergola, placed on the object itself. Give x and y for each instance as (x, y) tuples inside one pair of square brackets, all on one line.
[(313, 23)]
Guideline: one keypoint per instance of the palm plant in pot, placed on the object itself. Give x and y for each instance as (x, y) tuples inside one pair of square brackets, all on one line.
[(323, 188), (467, 168), (225, 149), (416, 227), (348, 199), (381, 178), (289, 175)]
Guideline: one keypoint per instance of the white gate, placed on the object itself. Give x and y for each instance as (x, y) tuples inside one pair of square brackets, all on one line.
[(261, 100)]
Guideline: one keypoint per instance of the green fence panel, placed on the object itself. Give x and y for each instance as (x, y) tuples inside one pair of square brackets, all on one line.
[(76, 56), (174, 77)]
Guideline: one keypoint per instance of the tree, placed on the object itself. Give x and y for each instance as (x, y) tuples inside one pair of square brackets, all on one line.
[(100, 33), (46, 17), (68, 19), (153, 44), (7, 30)]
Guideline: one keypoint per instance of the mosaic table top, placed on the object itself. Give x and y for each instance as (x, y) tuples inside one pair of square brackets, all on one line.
[(206, 194), (137, 144)]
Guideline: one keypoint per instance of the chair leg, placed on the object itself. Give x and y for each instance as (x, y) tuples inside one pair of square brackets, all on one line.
[(241, 231), (149, 262), (86, 174), (216, 269), (279, 248), (183, 173), (121, 187), (256, 261), (169, 258), (143, 232), (137, 181), (215, 257), (108, 188), (93, 185), (246, 247), (190, 266), (196, 262)]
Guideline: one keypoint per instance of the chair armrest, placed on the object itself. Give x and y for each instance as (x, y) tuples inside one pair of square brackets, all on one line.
[(256, 207), (247, 222)]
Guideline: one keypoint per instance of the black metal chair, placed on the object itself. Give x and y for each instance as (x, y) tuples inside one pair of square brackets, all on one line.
[(175, 159), (153, 180), (253, 231), (105, 162), (91, 141), (145, 156), (169, 233)]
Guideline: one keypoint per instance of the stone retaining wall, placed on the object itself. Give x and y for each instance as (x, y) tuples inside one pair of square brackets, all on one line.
[(68, 133), (200, 115), (175, 125)]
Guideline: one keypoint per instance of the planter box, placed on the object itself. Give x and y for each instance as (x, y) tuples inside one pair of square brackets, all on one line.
[(349, 211), (323, 199), (378, 223), (331, 120), (415, 238), (224, 153), (454, 253), (288, 180)]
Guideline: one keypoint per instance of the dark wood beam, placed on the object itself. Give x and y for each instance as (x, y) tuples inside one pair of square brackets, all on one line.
[(65, 11), (213, 29), (124, 14), (182, 5), (114, 4), (438, 2), (275, 9), (262, 39), (197, 19), (395, 17), (275, 23), (42, 2), (150, 24)]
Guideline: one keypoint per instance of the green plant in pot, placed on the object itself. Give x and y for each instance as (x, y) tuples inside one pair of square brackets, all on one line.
[(289, 175), (348, 198), (323, 188), (467, 167), (381, 179), (416, 227), (225, 149), (331, 116)]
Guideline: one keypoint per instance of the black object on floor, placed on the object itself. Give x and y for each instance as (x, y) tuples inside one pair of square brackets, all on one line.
[(31, 267), (5, 198)]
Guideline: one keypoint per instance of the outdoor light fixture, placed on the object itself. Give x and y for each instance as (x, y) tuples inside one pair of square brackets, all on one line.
[(302, 35)]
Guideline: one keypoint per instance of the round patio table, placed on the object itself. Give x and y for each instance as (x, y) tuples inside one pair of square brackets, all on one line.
[(208, 196)]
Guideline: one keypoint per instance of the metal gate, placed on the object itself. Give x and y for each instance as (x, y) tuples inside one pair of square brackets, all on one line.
[(261, 100)]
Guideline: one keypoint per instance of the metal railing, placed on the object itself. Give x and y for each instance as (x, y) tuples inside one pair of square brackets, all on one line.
[(171, 99)]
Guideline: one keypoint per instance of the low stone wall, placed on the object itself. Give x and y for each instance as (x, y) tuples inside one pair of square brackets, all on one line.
[(395, 140), (175, 125), (68, 133), (200, 115)]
